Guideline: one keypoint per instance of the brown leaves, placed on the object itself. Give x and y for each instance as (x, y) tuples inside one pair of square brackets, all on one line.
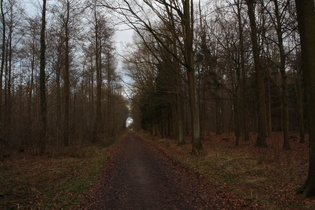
[(248, 177)]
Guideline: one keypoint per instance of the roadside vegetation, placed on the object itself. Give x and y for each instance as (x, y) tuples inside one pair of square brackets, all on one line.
[(269, 176), (57, 180)]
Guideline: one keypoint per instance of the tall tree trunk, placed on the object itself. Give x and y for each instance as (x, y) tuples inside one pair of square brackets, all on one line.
[(42, 83), (262, 121), (110, 117), (301, 108), (2, 62), (8, 77), (30, 96), (243, 73), (237, 108), (67, 79), (218, 115), (58, 92), (98, 117), (178, 84), (237, 118), (306, 20), (189, 57), (264, 68), (284, 87), (180, 116), (268, 104), (237, 104)]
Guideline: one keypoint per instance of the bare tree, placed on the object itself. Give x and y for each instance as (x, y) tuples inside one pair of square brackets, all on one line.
[(42, 83), (278, 19), (66, 76), (262, 121), (2, 56), (135, 16), (238, 12), (98, 69), (306, 20)]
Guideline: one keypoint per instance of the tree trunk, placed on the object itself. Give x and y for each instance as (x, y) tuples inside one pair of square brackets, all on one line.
[(218, 113), (179, 103), (98, 113), (243, 73), (2, 62), (58, 92), (110, 123), (306, 20), (8, 79), (180, 116), (284, 98), (301, 110), (268, 104), (30, 96), (237, 103), (42, 83), (237, 118), (67, 80), (262, 121), (189, 56)]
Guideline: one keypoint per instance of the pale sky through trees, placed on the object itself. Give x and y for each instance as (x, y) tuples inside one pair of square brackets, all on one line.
[(123, 37)]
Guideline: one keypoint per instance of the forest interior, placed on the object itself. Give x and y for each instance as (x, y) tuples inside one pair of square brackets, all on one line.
[(214, 97)]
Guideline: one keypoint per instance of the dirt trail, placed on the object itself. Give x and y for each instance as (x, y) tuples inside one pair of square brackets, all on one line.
[(141, 177)]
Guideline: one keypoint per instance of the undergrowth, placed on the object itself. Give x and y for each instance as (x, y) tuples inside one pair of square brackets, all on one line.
[(55, 181), (268, 176)]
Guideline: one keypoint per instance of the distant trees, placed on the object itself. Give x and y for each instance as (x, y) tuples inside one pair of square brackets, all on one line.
[(245, 65), (12, 22), (177, 17), (104, 63), (49, 97)]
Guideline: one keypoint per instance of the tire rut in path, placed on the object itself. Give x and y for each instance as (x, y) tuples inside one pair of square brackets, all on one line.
[(140, 177)]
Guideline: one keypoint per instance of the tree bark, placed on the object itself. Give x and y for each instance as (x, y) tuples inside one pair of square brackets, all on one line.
[(301, 110), (2, 61), (268, 104), (110, 123), (98, 115), (284, 87), (237, 117), (179, 104), (262, 121), (58, 91), (306, 21), (8, 77), (67, 79), (243, 73), (42, 83), (189, 56)]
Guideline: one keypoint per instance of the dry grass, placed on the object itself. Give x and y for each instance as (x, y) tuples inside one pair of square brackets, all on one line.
[(57, 180), (270, 176)]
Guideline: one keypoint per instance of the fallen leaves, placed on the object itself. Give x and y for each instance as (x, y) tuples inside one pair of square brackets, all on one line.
[(30, 182), (266, 176)]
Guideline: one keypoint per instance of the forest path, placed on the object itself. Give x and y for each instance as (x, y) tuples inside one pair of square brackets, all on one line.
[(140, 177)]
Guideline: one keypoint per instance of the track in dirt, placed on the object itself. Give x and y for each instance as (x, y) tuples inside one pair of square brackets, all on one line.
[(141, 177)]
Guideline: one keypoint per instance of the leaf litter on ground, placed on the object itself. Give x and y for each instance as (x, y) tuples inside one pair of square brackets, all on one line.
[(266, 176)]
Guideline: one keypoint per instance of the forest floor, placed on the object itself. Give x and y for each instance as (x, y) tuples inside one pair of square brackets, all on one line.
[(152, 173), (57, 180), (269, 176), (141, 176)]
